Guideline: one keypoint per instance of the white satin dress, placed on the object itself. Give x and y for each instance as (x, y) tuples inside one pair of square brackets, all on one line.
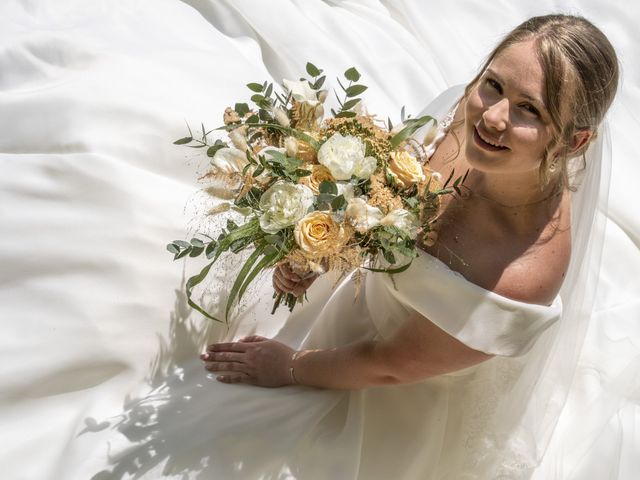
[(450, 427)]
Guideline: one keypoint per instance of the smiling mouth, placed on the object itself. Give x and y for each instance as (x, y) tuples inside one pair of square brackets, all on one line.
[(486, 144)]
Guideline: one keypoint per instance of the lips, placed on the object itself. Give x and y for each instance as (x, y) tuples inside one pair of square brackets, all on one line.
[(486, 142)]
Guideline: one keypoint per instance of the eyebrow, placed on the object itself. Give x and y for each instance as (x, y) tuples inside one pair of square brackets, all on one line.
[(522, 94)]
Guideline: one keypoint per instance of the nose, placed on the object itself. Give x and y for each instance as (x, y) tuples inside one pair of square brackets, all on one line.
[(497, 115)]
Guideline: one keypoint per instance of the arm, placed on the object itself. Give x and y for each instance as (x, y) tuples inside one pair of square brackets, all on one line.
[(418, 350)]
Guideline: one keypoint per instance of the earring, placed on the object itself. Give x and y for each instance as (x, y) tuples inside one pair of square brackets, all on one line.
[(553, 165)]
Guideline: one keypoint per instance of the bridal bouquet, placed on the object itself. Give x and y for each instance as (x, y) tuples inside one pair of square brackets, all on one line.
[(321, 194)]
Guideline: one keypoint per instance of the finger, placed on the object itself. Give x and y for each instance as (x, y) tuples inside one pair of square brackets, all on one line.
[(225, 367), (253, 338), (223, 357), (226, 347), (289, 274), (235, 378), (288, 283), (279, 284)]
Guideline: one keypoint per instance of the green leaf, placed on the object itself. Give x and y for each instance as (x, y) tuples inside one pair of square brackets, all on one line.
[(272, 238), (318, 83), (269, 90), (389, 256), (183, 253), (192, 282), (182, 243), (252, 119), (241, 108), (258, 171), (354, 90), (242, 274), (412, 126), (196, 242), (195, 251), (211, 151), (352, 74), (255, 87), (313, 70), (173, 248), (346, 114), (329, 187), (350, 104), (182, 141), (210, 250), (257, 98), (266, 261), (338, 202)]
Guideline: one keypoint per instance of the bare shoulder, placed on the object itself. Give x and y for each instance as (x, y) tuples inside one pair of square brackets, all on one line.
[(537, 275)]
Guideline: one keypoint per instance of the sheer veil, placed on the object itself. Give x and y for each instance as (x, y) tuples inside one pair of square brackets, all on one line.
[(535, 391)]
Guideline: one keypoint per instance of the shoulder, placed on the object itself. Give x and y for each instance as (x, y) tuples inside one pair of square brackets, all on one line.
[(537, 275)]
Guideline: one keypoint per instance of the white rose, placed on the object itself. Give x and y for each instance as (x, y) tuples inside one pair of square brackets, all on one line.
[(362, 215), (301, 92), (230, 160), (365, 168), (344, 157), (402, 219), (283, 204)]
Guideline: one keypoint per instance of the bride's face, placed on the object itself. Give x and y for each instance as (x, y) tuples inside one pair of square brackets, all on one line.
[(507, 126)]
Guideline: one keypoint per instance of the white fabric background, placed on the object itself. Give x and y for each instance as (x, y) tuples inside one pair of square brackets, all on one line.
[(92, 94)]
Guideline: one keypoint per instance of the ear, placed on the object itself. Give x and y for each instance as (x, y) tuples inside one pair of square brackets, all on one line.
[(580, 139)]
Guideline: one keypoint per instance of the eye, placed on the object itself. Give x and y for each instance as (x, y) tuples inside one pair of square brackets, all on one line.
[(494, 84), (531, 109)]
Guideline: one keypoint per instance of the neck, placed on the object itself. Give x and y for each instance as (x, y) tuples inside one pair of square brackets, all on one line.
[(514, 191)]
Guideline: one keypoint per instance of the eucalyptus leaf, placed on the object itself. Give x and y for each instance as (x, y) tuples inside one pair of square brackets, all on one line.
[(313, 70), (195, 251), (355, 90), (172, 248), (196, 242), (241, 108), (182, 243), (183, 253), (211, 151), (352, 74), (254, 87), (350, 104), (182, 141), (327, 186), (319, 82)]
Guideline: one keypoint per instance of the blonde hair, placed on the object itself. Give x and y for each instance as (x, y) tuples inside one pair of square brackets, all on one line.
[(580, 81)]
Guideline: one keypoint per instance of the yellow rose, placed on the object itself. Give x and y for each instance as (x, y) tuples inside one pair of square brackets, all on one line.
[(318, 233), (319, 173), (405, 168)]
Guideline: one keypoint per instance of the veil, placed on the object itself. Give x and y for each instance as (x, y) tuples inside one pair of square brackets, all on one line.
[(522, 425)]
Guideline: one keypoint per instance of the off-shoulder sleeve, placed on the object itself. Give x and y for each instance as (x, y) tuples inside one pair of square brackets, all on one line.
[(479, 318)]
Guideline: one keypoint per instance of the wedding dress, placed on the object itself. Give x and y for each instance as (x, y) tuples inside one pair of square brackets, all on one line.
[(492, 420)]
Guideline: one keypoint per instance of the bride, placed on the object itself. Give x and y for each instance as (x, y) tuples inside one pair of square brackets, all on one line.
[(458, 367)]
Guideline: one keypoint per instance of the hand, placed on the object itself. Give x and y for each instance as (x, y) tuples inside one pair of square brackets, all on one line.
[(286, 280), (253, 360)]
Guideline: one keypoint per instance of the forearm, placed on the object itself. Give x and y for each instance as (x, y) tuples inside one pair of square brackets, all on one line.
[(354, 366)]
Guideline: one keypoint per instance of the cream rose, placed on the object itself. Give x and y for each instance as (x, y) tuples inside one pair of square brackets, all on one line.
[(230, 160), (344, 156), (405, 169), (362, 215), (283, 204), (318, 233), (319, 173)]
